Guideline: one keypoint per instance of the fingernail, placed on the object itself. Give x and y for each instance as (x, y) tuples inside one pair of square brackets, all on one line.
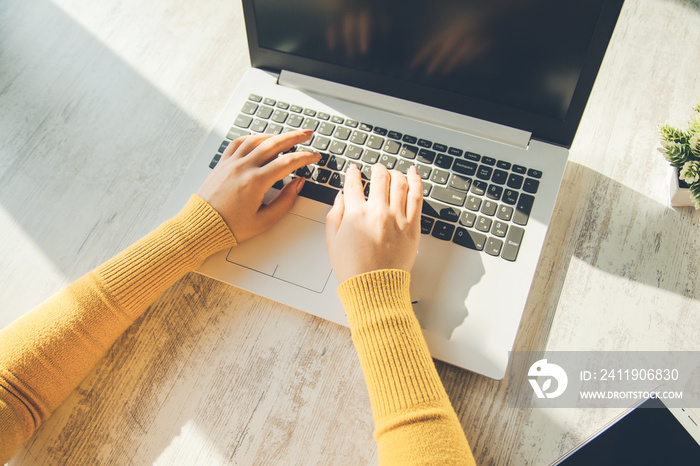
[(412, 170), (300, 184), (308, 132)]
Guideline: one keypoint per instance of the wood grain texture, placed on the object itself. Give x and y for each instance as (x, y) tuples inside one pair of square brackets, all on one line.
[(102, 107)]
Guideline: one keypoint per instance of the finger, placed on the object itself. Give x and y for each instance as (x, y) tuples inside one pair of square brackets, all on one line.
[(272, 147), (379, 189), (398, 193), (249, 144), (414, 196), (335, 218), (353, 189), (269, 214), (233, 147), (286, 164)]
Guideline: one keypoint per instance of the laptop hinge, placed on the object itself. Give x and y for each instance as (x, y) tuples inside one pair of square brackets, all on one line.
[(415, 111)]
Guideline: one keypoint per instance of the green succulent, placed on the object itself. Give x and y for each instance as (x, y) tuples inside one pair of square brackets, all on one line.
[(682, 150)]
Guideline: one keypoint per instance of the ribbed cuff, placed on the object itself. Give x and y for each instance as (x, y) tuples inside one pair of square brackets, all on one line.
[(394, 356), (141, 273)]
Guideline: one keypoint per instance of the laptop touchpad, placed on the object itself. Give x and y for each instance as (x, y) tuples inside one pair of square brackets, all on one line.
[(294, 251)]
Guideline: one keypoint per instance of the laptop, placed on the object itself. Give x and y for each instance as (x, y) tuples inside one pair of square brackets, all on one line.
[(483, 97)]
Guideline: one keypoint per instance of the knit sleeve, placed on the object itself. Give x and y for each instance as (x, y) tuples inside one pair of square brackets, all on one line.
[(414, 420), (46, 353)]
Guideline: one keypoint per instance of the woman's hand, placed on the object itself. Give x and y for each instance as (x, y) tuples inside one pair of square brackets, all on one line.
[(248, 168), (381, 232)]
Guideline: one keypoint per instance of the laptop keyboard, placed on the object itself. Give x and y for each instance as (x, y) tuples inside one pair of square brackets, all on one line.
[(475, 201)]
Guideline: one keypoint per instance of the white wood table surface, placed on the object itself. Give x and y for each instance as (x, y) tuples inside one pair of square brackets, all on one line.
[(102, 107)]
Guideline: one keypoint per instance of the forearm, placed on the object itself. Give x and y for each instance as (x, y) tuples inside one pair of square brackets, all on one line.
[(47, 353), (415, 422)]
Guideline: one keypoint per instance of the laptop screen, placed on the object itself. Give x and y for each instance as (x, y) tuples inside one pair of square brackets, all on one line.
[(481, 58)]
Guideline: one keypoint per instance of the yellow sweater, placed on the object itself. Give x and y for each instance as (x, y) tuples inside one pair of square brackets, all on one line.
[(47, 353)]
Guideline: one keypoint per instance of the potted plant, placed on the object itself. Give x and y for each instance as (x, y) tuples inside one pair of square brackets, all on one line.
[(682, 149)]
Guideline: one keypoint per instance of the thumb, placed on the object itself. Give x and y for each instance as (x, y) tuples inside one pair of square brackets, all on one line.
[(335, 217), (269, 214)]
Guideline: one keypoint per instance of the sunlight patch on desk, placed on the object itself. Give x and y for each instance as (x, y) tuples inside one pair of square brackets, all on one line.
[(190, 446)]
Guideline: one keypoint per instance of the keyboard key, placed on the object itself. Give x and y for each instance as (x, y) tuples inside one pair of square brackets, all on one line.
[(258, 126), (255, 98), (534, 173), (296, 109), (310, 123), (460, 182), (467, 219), (353, 152), (342, 132), (324, 159), (337, 120), (479, 187), (493, 246), (499, 177), (269, 101), (283, 105), (304, 172), (503, 165), (279, 116), (391, 147), (523, 209), (408, 151), (455, 152), (214, 161), (449, 196), (310, 113), (494, 192), (488, 160), (380, 131), (489, 208), (235, 133), (337, 180), (351, 123), (483, 224), (504, 212), (510, 197), (513, 242), (440, 147), (243, 121), (409, 139), (531, 186), (326, 128), (370, 156), (388, 161), (473, 203), (426, 188), (366, 127), (395, 135), (321, 175), (443, 231), (375, 142), (358, 137), (403, 165), (425, 143), (321, 143), (223, 146), (426, 225), (295, 120), (337, 147), (274, 128), (484, 172), (499, 229), (519, 169), (515, 181), (318, 192), (472, 156), (335, 163), (264, 112), (441, 211), (470, 239), (249, 108), (426, 156), (443, 161), (423, 171), (323, 116), (439, 176), (464, 167)]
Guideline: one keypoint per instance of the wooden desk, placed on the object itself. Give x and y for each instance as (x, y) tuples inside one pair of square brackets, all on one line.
[(102, 107)]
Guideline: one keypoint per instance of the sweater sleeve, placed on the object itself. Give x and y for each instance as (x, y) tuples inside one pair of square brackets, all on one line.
[(47, 353), (414, 420)]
